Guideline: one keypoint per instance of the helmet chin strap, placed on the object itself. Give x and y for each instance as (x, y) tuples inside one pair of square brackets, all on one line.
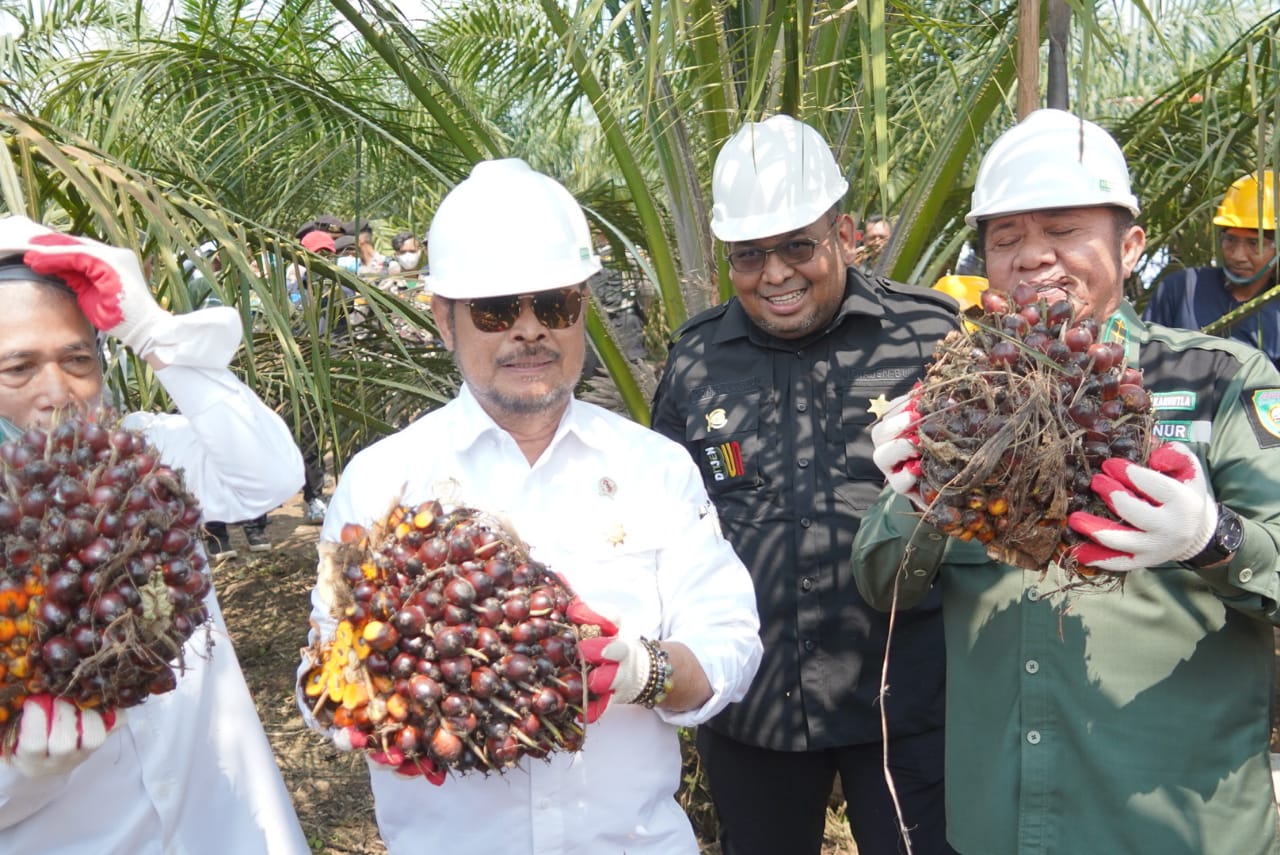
[(1234, 281)]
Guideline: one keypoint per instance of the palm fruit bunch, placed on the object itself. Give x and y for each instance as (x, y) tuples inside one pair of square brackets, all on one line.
[(454, 651), (101, 582), (1017, 412)]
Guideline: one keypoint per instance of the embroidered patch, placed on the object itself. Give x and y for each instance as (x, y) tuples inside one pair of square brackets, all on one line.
[(1263, 408), (1173, 401), (608, 487), (717, 419), (725, 460), (617, 535), (1183, 430), (883, 376)]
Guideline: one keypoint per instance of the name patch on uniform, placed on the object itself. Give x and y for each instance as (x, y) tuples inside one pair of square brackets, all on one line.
[(1173, 401), (1183, 431), (1262, 406), (883, 376)]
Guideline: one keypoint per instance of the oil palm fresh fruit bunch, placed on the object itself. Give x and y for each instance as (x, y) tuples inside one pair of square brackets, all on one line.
[(454, 651), (101, 581), (1017, 412)]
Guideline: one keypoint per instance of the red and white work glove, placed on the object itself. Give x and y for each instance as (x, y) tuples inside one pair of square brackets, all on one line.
[(610, 660), (113, 294), (55, 736), (1168, 510), (897, 447)]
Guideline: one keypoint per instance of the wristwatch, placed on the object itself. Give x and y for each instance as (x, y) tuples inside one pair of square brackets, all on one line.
[(1227, 539)]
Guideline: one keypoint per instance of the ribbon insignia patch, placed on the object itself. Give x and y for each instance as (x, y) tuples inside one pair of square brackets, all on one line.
[(725, 460)]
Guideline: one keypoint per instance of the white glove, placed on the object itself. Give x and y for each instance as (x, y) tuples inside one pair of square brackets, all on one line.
[(1168, 505), (113, 294), (897, 447), (55, 736)]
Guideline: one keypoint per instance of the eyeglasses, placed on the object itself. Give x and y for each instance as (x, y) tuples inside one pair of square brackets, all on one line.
[(1250, 245), (792, 252), (555, 310)]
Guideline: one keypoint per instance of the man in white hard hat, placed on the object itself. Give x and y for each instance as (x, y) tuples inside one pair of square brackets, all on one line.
[(618, 511), (772, 393), (1198, 296), (1136, 720), (189, 770)]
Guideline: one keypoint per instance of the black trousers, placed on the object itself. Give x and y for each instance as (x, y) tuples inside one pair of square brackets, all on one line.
[(774, 802)]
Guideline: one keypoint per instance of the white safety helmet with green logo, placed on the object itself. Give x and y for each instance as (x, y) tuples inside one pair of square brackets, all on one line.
[(773, 177), (507, 229), (1051, 159)]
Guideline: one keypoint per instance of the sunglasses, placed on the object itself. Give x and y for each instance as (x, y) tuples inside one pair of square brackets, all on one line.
[(792, 252), (556, 310)]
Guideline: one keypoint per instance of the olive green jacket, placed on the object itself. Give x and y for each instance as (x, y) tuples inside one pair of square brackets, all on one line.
[(1133, 721)]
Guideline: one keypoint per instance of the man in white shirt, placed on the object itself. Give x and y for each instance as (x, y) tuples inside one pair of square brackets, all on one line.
[(614, 508), (190, 770)]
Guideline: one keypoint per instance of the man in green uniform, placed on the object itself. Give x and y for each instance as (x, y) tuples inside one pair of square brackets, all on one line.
[(1132, 721)]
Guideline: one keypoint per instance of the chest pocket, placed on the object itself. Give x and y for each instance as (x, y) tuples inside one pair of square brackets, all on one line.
[(724, 433), (850, 436)]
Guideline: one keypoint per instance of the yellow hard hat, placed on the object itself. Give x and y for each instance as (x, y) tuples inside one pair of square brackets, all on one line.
[(967, 290), (1239, 208)]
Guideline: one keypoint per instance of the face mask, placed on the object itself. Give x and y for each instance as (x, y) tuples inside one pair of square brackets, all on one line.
[(349, 263), (409, 260)]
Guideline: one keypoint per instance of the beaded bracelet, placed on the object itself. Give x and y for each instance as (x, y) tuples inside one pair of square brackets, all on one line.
[(661, 680)]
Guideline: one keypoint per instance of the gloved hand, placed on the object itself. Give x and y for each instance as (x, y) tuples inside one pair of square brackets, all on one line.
[(600, 677), (114, 296), (55, 736), (351, 739), (1168, 505), (619, 673), (897, 447)]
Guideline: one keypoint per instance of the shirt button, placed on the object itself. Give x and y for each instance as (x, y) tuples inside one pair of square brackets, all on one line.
[(799, 354), (1033, 737), (544, 804), (808, 644), (1246, 574), (804, 464), (805, 522), (920, 571), (801, 407), (806, 584), (1032, 666), (1033, 595)]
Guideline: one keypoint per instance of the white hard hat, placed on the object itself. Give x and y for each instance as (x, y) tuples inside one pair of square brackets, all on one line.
[(1051, 159), (505, 230), (773, 177)]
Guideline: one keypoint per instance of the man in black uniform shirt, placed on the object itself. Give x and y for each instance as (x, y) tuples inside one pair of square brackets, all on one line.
[(773, 393)]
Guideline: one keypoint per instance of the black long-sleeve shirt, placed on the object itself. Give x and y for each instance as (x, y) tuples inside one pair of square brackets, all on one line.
[(781, 431)]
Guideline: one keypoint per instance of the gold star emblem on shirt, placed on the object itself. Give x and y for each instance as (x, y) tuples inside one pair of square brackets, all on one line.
[(878, 406), (617, 535)]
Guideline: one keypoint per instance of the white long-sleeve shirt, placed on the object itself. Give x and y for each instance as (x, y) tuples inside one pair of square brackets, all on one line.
[(190, 771), (620, 512)]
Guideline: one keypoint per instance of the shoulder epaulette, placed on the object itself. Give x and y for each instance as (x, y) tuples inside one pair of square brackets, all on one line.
[(698, 320)]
